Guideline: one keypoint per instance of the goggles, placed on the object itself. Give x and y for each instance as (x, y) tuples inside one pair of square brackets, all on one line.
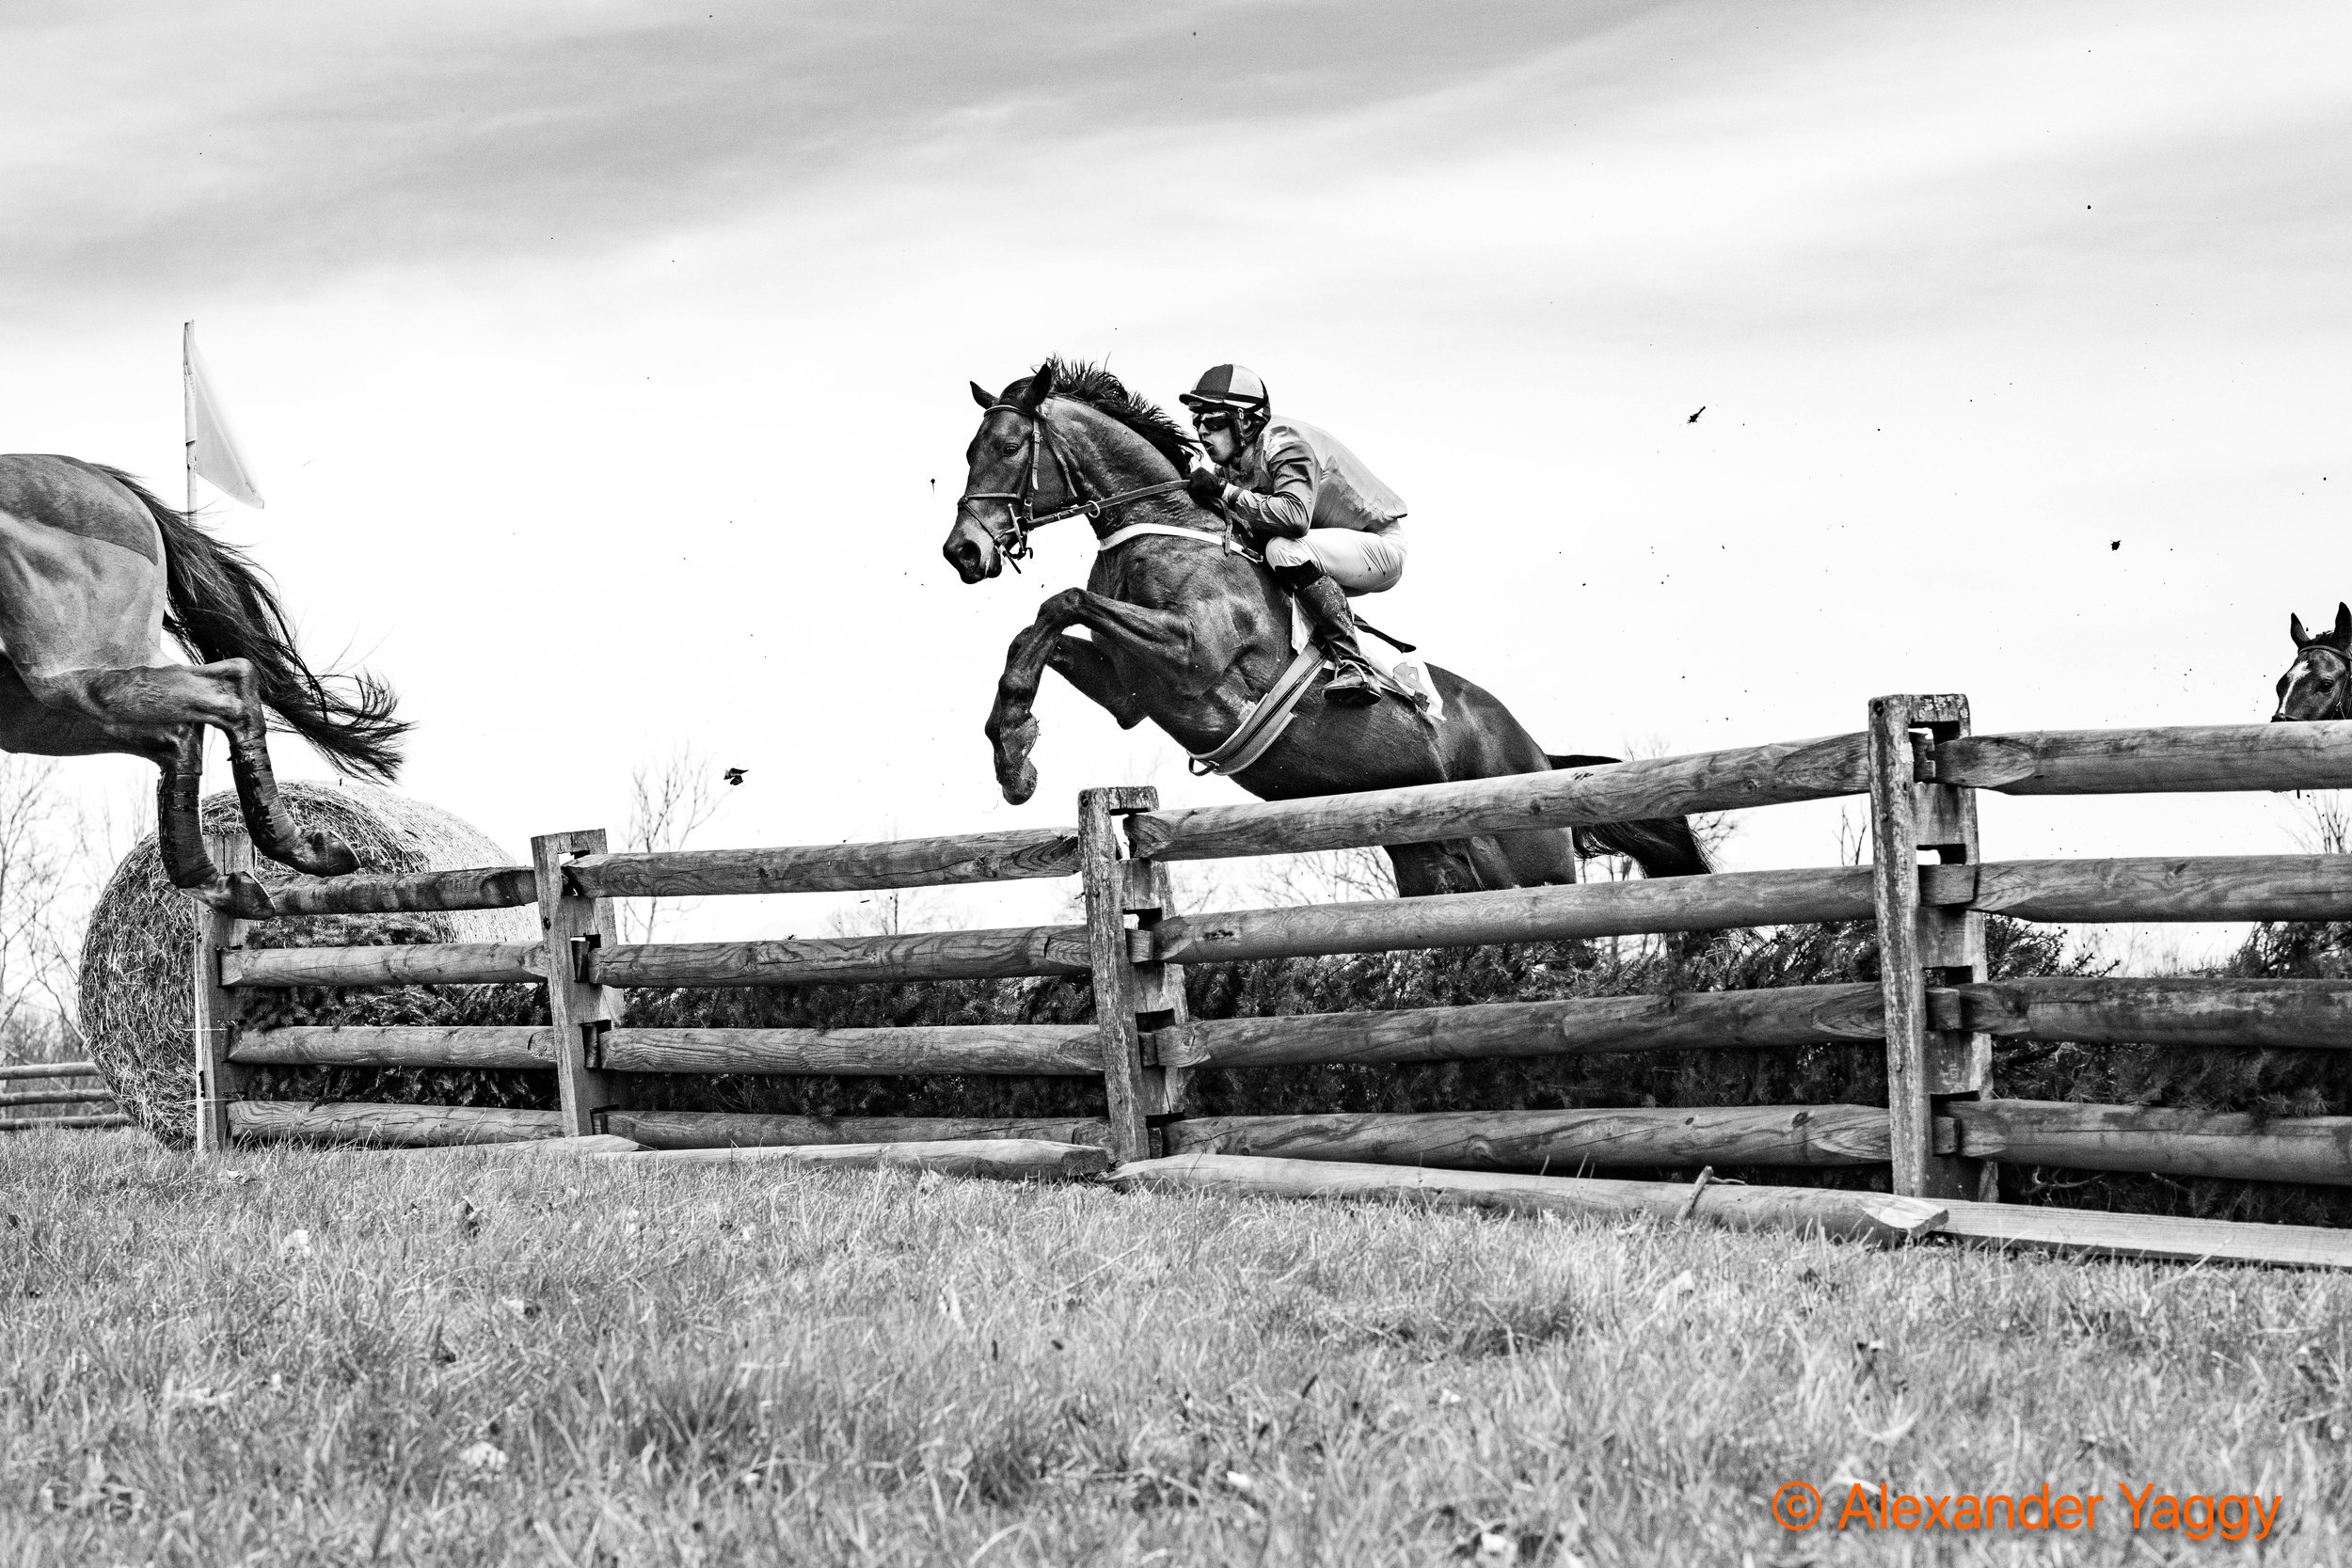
[(1207, 419)]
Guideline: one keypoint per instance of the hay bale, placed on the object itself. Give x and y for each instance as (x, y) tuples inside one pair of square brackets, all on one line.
[(136, 981)]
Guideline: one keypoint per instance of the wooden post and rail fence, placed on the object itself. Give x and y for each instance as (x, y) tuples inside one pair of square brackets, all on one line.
[(1935, 1011), (74, 1084)]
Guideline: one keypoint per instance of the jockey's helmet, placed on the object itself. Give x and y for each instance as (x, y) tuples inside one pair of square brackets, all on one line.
[(1230, 387)]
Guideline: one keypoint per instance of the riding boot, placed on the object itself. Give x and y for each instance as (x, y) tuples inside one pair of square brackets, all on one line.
[(1353, 684)]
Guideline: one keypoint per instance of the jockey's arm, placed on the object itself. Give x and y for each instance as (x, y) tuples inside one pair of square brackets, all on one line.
[(1286, 508)]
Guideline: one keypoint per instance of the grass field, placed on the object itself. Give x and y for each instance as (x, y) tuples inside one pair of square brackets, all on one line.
[(306, 1357)]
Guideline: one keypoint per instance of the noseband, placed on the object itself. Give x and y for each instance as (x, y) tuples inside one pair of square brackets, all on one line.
[(1012, 542)]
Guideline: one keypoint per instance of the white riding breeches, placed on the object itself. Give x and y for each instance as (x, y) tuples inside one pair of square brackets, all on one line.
[(1358, 563)]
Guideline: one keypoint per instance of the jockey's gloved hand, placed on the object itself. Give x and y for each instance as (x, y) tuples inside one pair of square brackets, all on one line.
[(1205, 486)]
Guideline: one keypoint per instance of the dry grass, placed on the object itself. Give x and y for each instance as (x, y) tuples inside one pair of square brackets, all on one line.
[(443, 1358)]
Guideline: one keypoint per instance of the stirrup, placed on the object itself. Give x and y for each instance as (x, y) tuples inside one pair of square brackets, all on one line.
[(1353, 684)]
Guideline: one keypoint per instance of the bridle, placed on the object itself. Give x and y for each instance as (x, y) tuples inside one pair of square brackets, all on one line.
[(2342, 705), (1021, 520)]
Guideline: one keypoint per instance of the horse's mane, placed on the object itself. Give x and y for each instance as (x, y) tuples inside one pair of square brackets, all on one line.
[(1103, 392)]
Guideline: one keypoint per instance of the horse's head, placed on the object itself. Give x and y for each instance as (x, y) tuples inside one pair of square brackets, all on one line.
[(1002, 475), (2318, 685)]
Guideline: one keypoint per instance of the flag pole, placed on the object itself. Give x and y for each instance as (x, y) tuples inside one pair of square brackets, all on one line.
[(187, 409)]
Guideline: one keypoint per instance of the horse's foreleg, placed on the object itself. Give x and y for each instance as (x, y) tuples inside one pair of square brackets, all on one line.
[(1085, 667), (1012, 723)]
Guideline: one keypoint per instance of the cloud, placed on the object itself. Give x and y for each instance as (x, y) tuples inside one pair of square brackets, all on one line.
[(249, 146)]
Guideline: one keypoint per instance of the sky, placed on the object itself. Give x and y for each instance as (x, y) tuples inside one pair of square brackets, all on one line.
[(604, 364)]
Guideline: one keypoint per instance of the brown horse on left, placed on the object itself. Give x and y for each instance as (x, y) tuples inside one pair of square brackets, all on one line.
[(93, 570)]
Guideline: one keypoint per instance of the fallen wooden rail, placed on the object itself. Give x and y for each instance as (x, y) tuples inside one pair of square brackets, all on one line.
[(1005, 954), (1073, 1049), (364, 1045), (738, 1130), (1001, 857), (2099, 1233), (410, 1126), (447, 963), (1003, 1158), (2158, 1140), (1615, 792), (1560, 1142), (1879, 1217)]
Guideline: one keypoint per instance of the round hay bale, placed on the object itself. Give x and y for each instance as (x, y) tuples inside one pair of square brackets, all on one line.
[(137, 993)]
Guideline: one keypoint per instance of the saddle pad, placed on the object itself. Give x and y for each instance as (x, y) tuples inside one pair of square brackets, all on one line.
[(1407, 673)]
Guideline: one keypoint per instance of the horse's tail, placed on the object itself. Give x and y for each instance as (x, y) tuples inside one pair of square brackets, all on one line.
[(1661, 846), (220, 607)]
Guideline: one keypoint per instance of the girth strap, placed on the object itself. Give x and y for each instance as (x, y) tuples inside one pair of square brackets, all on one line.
[(1267, 718)]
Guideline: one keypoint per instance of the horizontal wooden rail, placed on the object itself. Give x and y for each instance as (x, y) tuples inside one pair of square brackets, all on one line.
[(2209, 887), (1073, 1049), (58, 1096), (398, 1045), (2167, 887), (488, 887), (736, 1129), (2152, 761), (1522, 914), (1000, 857), (407, 1126), (1615, 792), (2157, 1140), (1792, 1015), (1878, 1218), (33, 1124), (1561, 1142), (2251, 1014), (48, 1069), (1020, 950), (447, 963)]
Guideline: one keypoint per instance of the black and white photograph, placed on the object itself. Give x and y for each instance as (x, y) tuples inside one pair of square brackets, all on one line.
[(1237, 781)]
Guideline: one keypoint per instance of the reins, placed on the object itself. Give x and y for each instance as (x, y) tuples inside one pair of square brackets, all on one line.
[(1013, 542)]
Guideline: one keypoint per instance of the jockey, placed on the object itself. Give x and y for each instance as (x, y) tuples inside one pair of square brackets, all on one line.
[(1326, 526)]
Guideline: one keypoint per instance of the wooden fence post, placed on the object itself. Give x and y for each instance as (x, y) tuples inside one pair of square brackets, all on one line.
[(1128, 997), (217, 1079), (1951, 941), (580, 1011), (1924, 1065)]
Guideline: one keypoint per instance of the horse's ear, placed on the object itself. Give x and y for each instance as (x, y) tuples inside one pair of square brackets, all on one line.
[(1040, 387), (980, 396), (2294, 629), (2343, 625)]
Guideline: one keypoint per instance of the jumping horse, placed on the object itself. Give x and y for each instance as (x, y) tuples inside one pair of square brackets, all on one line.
[(93, 571), (1188, 630), (2318, 685)]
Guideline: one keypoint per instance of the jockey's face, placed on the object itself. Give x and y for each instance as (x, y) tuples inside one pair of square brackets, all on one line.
[(1220, 432)]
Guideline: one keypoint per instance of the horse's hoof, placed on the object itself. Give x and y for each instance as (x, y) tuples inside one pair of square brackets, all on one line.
[(240, 895), (1020, 783), (322, 854)]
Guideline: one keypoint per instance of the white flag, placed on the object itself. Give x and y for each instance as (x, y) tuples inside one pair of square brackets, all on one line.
[(212, 450)]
